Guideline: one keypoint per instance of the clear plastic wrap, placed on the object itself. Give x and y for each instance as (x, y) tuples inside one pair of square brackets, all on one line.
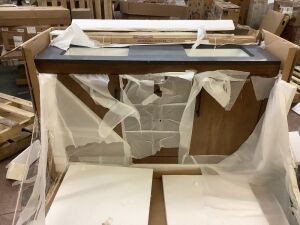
[(157, 111)]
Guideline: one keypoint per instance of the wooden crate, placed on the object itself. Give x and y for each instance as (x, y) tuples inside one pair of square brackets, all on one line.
[(295, 79), (16, 121)]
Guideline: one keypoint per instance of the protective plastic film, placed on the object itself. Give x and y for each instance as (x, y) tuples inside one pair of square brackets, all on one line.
[(155, 111)]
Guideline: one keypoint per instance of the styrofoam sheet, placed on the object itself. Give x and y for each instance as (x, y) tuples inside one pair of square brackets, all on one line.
[(154, 25), (210, 200), (96, 195)]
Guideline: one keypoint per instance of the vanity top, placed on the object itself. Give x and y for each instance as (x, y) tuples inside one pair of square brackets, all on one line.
[(162, 55)]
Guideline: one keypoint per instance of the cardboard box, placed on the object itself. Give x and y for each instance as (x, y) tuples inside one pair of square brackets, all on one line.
[(274, 22), (15, 36), (286, 6), (224, 10), (169, 8), (31, 16)]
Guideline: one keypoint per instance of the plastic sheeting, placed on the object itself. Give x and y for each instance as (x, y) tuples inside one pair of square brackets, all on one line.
[(155, 111), (265, 158), (224, 86)]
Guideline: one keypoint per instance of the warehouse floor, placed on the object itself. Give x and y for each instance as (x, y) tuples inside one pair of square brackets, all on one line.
[(8, 193)]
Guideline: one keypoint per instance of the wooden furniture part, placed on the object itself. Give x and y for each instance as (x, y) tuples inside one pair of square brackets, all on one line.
[(16, 120)]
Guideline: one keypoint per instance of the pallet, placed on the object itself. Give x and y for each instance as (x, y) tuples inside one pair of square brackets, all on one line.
[(15, 115), (295, 79), (15, 145)]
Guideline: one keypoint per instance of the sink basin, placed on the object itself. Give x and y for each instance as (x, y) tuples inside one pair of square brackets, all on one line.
[(218, 52), (77, 51)]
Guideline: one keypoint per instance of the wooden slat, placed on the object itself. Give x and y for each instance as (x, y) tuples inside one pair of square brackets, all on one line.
[(108, 9), (16, 110), (7, 122), (27, 105), (72, 4), (30, 49), (298, 87), (98, 9), (18, 144), (296, 74), (16, 114), (81, 3), (42, 2), (290, 63), (64, 3), (90, 5), (54, 2), (11, 132), (296, 80)]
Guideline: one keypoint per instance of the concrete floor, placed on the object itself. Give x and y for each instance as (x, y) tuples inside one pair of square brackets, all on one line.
[(8, 196), (8, 193)]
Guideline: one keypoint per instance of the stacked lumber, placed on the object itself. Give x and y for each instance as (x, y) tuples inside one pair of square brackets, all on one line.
[(16, 124)]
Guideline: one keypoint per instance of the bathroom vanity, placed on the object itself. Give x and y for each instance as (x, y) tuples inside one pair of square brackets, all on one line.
[(215, 131)]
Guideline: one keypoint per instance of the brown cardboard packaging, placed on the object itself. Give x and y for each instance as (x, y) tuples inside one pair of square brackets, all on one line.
[(274, 22), (224, 10), (286, 5), (169, 8), (15, 36), (31, 16)]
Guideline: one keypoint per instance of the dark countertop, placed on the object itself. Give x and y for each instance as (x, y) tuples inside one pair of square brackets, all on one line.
[(53, 60)]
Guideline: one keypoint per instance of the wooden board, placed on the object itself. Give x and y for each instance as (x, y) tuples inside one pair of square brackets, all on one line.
[(94, 194), (207, 200), (154, 25), (15, 145), (15, 114)]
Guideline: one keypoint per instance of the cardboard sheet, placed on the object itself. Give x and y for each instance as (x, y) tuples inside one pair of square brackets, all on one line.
[(94, 194), (210, 200)]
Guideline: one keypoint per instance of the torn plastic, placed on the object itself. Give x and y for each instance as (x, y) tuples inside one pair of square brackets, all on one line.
[(223, 86), (200, 36), (73, 35), (262, 86), (97, 87), (17, 169), (160, 100), (159, 112), (264, 160)]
